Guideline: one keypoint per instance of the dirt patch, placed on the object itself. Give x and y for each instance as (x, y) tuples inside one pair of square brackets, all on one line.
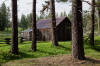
[(62, 60)]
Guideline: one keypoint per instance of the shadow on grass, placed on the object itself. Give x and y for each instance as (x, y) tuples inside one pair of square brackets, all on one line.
[(42, 41), (10, 57), (97, 42), (25, 55), (66, 48), (4, 45), (97, 48), (25, 42), (96, 45), (50, 53)]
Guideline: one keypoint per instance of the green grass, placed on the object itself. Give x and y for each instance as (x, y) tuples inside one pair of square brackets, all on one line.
[(46, 49), (43, 49)]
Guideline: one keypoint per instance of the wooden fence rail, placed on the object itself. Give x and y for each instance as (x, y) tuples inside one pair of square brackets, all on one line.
[(5, 41), (8, 40)]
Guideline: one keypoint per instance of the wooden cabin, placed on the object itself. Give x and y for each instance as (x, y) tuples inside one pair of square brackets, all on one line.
[(63, 28)]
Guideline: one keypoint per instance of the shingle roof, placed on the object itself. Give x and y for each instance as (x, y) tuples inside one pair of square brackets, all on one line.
[(46, 23)]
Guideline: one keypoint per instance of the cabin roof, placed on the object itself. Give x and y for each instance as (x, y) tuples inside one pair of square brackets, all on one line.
[(46, 23), (28, 30)]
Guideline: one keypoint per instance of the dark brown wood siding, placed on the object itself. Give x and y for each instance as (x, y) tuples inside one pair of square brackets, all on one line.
[(63, 32)]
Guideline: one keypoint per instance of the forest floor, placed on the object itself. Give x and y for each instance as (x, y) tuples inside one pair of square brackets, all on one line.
[(59, 60)]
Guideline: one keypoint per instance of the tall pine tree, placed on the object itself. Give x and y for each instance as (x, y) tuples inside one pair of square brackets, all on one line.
[(34, 26), (92, 23), (53, 23), (23, 22), (77, 30), (14, 46), (3, 17)]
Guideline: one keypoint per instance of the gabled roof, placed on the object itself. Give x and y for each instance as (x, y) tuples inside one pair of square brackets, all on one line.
[(46, 23)]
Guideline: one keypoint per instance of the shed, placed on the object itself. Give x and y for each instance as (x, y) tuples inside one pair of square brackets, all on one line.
[(63, 28)]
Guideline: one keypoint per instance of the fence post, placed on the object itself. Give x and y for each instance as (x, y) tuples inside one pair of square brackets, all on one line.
[(7, 40), (21, 40)]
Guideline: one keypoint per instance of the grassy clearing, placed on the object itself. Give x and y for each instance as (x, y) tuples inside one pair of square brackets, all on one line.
[(43, 49), (46, 49)]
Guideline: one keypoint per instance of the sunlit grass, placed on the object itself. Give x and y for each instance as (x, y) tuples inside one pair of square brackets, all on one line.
[(45, 49)]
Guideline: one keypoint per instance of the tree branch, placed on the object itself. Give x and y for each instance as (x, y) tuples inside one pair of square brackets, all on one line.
[(90, 3)]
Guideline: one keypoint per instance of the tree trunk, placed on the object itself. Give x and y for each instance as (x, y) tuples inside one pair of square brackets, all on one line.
[(92, 23), (14, 47), (98, 22), (98, 15), (34, 26), (77, 30), (53, 23)]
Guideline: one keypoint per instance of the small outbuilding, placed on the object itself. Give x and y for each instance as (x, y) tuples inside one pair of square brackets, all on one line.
[(63, 28)]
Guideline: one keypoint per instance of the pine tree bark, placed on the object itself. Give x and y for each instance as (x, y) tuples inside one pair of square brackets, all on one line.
[(34, 26), (53, 23), (92, 23), (98, 22), (77, 30), (14, 47), (98, 15)]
